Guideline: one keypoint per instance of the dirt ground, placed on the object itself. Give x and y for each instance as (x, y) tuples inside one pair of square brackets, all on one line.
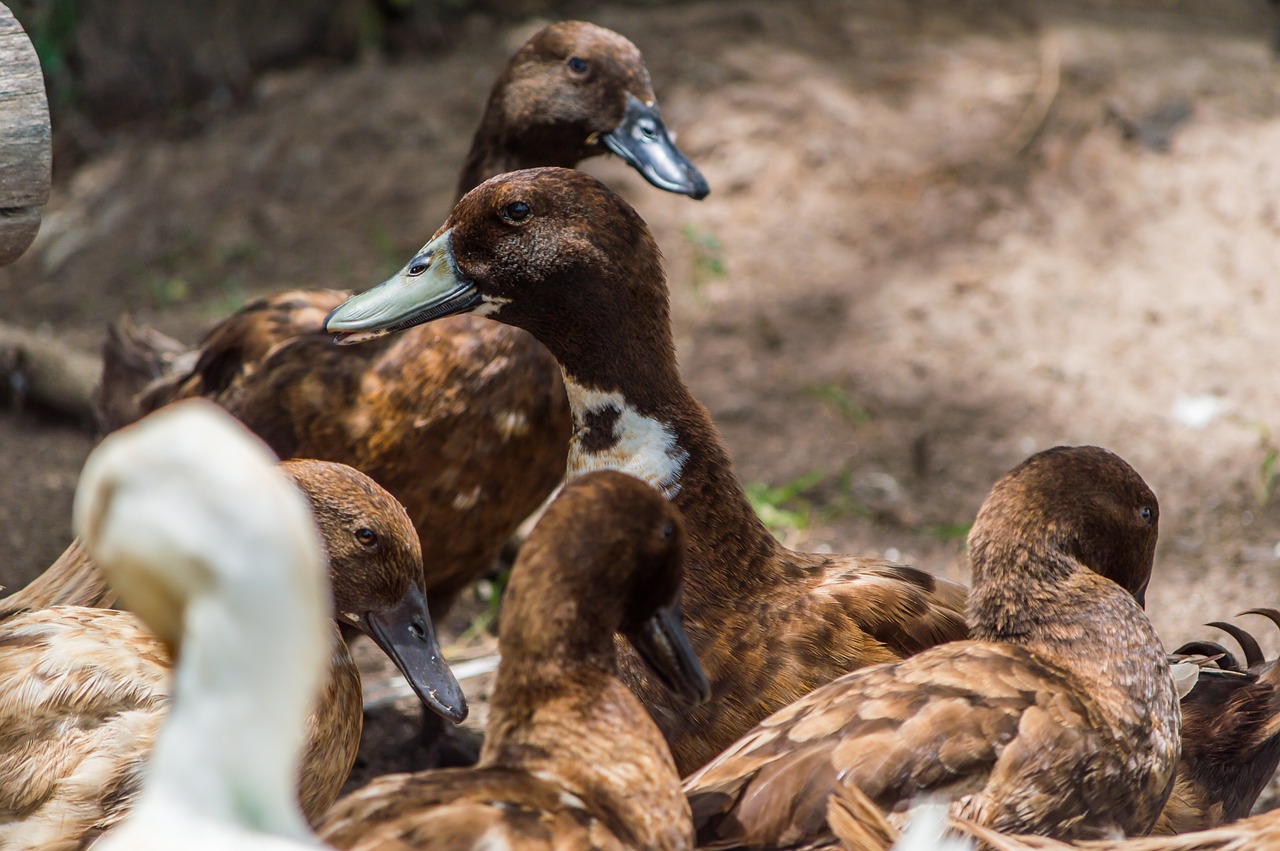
[(940, 237)]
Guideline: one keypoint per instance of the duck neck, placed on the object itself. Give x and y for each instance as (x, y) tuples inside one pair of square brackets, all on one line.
[(237, 714), (499, 147), (1084, 622), (638, 417), (572, 723)]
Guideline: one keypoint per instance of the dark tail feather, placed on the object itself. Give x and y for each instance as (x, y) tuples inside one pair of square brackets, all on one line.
[(133, 359)]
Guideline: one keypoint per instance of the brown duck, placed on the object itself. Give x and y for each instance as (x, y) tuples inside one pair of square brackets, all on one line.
[(555, 252), (1059, 718), (571, 759), (464, 422), (96, 683)]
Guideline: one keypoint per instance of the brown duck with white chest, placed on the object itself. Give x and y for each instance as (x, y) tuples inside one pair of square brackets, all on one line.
[(465, 422), (571, 759), (1060, 718), (96, 682), (555, 252)]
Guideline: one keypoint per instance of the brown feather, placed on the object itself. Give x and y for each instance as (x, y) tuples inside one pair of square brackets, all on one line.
[(1252, 834)]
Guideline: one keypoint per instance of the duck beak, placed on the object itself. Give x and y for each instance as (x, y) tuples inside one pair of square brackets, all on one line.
[(641, 139), (406, 634), (428, 287), (662, 643)]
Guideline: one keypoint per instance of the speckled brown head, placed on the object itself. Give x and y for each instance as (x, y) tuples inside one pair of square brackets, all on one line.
[(607, 557), (1061, 509), (573, 91), (375, 569), (550, 250)]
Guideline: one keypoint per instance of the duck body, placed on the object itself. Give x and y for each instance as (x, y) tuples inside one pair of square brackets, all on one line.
[(96, 683), (484, 401), (571, 759), (97, 687), (466, 422), (582, 782), (579, 270)]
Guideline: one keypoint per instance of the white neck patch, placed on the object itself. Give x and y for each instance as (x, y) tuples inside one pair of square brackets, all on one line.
[(640, 446)]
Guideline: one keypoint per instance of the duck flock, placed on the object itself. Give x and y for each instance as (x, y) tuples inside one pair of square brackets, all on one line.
[(671, 676)]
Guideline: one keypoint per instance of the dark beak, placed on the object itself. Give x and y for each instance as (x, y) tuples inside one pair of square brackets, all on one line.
[(662, 643), (641, 139), (406, 634)]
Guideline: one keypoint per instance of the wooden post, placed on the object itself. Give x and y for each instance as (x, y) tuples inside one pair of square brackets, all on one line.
[(26, 152)]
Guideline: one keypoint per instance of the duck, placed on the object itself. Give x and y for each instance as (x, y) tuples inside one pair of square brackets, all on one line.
[(215, 551), (465, 423), (555, 252), (571, 759), (1058, 717), (1230, 735), (74, 746)]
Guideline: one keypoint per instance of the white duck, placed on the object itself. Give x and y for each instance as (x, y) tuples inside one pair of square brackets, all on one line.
[(213, 547)]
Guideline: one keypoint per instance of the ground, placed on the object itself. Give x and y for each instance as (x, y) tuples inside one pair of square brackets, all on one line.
[(940, 237)]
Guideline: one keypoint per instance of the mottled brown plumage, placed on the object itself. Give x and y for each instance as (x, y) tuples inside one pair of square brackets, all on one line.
[(570, 758), (1230, 740), (1257, 833), (464, 422), (86, 689), (555, 252), (1060, 718)]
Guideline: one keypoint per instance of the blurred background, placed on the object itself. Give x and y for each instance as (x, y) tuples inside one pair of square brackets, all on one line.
[(941, 236)]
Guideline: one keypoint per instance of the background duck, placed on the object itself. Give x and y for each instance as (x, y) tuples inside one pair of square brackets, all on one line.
[(1230, 736), (555, 252), (571, 759), (216, 551), (1061, 718), (466, 422), (97, 683)]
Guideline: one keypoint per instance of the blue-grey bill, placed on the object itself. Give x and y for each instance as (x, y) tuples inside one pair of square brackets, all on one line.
[(641, 139)]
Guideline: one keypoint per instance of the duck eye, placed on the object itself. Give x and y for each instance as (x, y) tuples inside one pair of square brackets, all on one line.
[(1147, 515), (577, 65), (367, 537), (516, 212), (417, 269)]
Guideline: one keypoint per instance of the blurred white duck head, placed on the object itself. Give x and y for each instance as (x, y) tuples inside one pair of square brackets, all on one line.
[(215, 549)]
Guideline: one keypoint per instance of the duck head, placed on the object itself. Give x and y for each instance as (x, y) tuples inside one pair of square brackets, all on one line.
[(550, 250), (607, 557), (375, 568), (573, 91), (1078, 505)]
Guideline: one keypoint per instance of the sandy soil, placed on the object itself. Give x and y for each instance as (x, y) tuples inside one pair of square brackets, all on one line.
[(937, 240)]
